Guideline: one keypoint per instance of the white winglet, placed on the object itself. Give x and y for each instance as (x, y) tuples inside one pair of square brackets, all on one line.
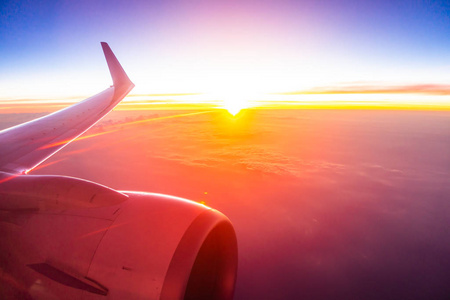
[(118, 75), (25, 146)]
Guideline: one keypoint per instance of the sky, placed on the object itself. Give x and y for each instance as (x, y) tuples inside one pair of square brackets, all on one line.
[(232, 51), (326, 203)]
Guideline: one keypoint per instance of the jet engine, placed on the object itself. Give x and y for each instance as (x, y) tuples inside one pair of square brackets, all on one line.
[(69, 238)]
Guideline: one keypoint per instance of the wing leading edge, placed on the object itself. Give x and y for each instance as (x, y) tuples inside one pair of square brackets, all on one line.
[(25, 146)]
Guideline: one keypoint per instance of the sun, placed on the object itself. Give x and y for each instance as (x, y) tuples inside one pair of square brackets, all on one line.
[(234, 107), (235, 103)]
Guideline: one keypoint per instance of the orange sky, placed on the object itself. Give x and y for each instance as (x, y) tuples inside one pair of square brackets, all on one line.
[(427, 97)]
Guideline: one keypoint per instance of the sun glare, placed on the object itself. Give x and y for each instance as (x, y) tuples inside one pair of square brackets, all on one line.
[(234, 106), (235, 102)]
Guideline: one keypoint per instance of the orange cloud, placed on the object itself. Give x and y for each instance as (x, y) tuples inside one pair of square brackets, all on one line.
[(429, 89)]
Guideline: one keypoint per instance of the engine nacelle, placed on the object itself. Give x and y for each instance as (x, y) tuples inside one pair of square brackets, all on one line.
[(147, 246), (162, 247)]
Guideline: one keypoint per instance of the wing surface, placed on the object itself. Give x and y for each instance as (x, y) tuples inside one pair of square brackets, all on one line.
[(25, 146)]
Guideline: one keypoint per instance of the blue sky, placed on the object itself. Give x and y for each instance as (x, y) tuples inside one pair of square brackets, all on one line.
[(214, 46)]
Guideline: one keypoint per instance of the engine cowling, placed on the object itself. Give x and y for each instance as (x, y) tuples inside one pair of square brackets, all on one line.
[(196, 246), (144, 246)]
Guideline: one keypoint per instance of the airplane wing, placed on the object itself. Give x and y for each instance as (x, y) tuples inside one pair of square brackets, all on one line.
[(69, 238), (25, 146)]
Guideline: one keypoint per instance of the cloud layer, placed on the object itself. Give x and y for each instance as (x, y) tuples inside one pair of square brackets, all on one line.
[(326, 204)]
